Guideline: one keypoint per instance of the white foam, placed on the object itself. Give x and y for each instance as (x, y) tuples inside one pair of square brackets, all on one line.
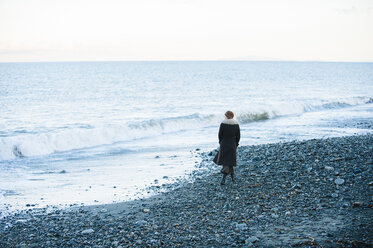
[(77, 138), (80, 137)]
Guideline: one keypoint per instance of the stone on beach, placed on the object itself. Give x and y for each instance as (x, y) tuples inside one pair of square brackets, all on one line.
[(88, 231), (241, 226), (251, 239), (276, 201), (339, 181), (141, 222)]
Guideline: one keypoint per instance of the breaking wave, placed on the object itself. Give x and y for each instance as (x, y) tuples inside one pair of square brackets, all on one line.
[(39, 144), (80, 137), (252, 117)]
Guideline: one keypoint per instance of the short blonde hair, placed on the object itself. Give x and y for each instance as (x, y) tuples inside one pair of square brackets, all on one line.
[(229, 114)]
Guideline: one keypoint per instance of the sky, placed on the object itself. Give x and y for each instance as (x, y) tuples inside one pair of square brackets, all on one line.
[(111, 30)]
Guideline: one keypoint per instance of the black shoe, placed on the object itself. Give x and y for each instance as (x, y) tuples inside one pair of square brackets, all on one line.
[(223, 179)]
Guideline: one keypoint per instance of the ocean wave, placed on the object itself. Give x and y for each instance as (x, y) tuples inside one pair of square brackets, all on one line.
[(79, 137), (27, 145), (253, 117), (338, 103)]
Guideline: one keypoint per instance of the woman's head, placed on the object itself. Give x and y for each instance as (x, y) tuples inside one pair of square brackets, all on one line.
[(229, 114)]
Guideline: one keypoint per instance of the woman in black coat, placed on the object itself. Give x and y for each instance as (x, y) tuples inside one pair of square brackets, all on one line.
[(229, 136)]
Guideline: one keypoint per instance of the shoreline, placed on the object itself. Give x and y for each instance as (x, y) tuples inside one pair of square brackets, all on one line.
[(301, 193)]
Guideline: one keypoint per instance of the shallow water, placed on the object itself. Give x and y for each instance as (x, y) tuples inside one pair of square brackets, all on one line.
[(98, 132)]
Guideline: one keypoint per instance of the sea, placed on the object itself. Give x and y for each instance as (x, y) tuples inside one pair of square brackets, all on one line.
[(75, 133)]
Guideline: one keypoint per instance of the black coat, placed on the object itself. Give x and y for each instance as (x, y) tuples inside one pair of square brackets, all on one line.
[(229, 136)]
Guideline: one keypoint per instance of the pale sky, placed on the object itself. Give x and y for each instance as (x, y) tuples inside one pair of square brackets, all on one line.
[(95, 30)]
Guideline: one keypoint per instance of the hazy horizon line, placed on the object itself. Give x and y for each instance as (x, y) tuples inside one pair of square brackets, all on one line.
[(187, 60)]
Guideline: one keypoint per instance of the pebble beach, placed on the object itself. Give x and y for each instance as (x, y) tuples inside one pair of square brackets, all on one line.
[(314, 193)]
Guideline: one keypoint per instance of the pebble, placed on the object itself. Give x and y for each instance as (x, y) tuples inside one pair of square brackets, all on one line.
[(275, 215), (274, 199), (339, 181), (241, 226), (251, 239), (88, 231), (141, 222), (256, 159)]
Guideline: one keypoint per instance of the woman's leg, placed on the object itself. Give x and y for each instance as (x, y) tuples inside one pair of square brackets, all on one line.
[(232, 173), (223, 179)]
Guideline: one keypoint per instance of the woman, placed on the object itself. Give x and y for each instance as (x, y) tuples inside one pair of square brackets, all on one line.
[(229, 136)]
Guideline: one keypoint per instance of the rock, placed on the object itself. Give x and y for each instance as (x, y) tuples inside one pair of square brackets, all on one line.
[(256, 159), (241, 226), (157, 156), (141, 223), (252, 239), (21, 221), (17, 152), (339, 181), (63, 172), (260, 211), (88, 231), (165, 177), (156, 181), (297, 185)]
